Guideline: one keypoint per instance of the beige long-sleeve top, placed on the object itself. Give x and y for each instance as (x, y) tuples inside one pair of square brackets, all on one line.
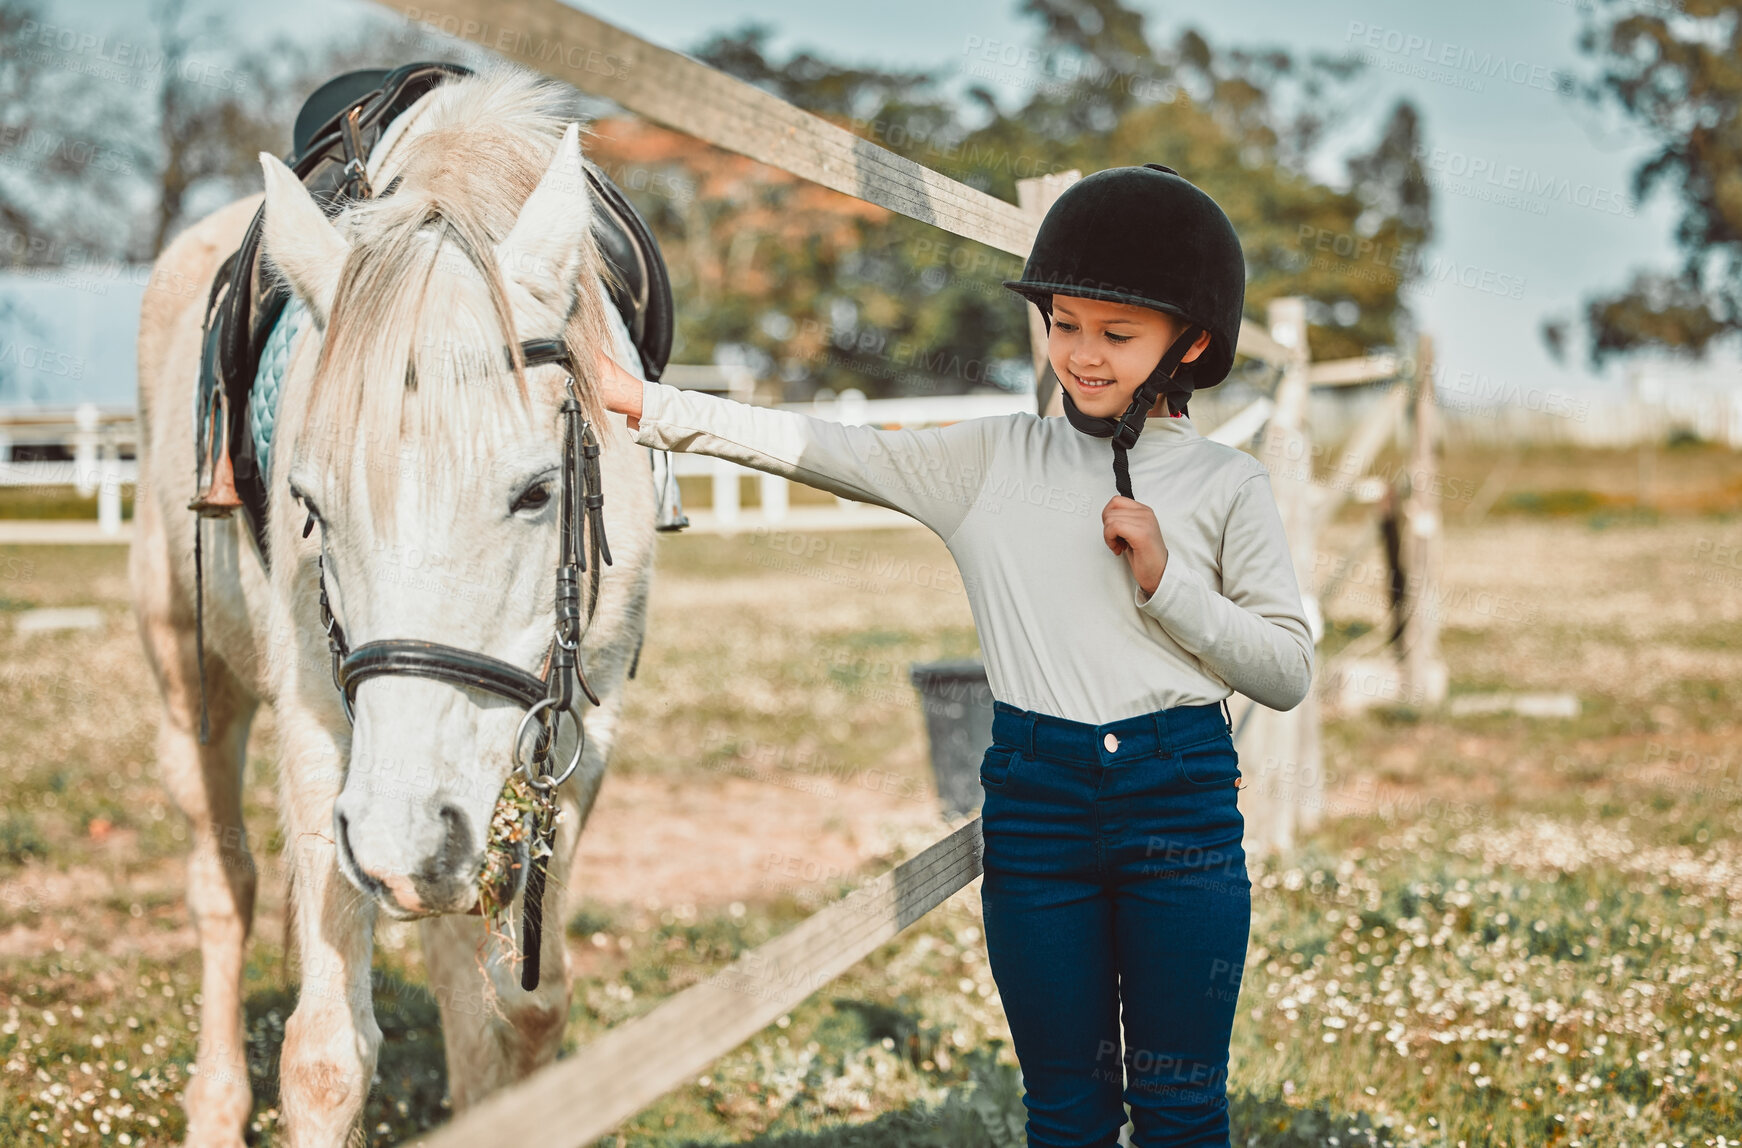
[(1064, 628)]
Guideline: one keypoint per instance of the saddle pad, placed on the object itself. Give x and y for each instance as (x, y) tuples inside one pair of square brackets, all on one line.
[(275, 358), (263, 395)]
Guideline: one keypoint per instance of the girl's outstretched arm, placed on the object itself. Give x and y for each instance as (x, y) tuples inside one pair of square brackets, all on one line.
[(1254, 634), (933, 474)]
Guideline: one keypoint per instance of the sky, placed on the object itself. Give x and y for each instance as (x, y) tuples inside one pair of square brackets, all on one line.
[(1533, 210)]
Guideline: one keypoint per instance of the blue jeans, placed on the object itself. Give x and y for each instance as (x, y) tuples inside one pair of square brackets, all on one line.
[(1115, 890)]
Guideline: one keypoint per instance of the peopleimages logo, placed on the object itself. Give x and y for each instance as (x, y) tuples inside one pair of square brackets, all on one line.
[(540, 49), (1058, 73), (1525, 182), (1472, 62), (44, 360), (123, 61), (1408, 261)]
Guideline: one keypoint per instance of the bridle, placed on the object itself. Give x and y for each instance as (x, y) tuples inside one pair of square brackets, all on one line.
[(546, 696)]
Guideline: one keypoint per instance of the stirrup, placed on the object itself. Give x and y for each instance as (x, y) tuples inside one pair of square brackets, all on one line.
[(668, 499), (219, 498)]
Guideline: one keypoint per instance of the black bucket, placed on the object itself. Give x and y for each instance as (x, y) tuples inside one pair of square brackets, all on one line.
[(958, 723)]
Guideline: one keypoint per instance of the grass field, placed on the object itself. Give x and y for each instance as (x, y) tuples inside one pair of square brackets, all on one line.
[(1507, 931)]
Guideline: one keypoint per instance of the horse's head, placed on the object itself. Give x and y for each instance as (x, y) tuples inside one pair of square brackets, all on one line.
[(428, 468)]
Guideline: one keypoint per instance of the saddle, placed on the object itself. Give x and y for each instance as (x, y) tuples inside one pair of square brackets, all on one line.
[(335, 131)]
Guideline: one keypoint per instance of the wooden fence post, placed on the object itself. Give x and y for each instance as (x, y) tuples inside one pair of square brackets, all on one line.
[(1035, 196), (1422, 669), (1280, 751)]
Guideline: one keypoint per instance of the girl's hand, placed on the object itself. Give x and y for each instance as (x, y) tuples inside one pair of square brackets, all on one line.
[(1130, 528), (620, 390)]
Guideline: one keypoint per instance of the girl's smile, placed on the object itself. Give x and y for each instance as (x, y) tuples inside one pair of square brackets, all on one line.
[(1103, 351)]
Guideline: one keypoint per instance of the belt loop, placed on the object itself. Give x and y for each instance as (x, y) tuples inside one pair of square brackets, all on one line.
[(1028, 734), (1227, 716), (1161, 745)]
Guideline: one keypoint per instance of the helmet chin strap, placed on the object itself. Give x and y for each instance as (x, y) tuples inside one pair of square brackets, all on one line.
[(1125, 429)]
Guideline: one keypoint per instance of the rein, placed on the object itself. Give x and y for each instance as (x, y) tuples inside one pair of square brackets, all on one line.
[(546, 697)]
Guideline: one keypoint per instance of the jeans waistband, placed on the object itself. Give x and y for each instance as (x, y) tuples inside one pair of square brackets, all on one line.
[(1163, 731)]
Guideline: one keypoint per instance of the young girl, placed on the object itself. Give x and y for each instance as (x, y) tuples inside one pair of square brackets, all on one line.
[(1115, 893)]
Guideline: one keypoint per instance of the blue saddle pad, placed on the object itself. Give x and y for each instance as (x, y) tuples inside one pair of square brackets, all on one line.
[(269, 379)]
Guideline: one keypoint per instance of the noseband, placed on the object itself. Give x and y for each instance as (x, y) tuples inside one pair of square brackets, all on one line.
[(547, 696)]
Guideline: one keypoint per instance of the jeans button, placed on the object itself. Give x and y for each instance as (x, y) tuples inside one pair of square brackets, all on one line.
[(1111, 742)]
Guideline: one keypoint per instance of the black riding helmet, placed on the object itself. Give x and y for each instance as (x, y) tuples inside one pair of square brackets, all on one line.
[(1148, 236)]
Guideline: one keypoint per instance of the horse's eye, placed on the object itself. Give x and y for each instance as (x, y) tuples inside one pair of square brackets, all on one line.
[(533, 497), (314, 514)]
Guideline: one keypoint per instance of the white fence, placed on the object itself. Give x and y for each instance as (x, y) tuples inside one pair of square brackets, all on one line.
[(96, 438), (726, 510), (1233, 417), (1605, 421), (1537, 418)]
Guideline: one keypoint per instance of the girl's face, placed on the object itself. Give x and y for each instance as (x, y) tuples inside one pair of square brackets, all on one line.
[(1103, 351)]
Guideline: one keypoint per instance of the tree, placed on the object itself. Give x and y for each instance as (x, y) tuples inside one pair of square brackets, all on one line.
[(89, 171), (1673, 70), (67, 155), (217, 112)]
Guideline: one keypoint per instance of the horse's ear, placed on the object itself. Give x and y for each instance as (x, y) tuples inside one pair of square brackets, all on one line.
[(542, 254), (301, 241)]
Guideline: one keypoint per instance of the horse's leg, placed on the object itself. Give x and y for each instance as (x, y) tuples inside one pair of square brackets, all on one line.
[(492, 1043), (331, 1039), (205, 781)]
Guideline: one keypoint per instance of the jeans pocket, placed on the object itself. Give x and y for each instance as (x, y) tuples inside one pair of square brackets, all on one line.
[(995, 766), (1210, 764)]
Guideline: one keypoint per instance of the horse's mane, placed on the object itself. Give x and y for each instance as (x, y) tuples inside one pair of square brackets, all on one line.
[(412, 361)]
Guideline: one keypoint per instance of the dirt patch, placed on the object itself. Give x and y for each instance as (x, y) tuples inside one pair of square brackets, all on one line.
[(657, 841)]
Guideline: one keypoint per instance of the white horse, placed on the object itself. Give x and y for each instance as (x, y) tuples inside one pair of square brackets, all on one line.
[(431, 473)]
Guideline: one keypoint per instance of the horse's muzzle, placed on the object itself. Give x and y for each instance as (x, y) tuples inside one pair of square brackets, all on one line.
[(443, 881)]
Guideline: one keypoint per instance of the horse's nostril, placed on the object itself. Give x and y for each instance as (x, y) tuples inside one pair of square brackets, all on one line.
[(344, 838), (347, 859), (456, 847), (451, 861)]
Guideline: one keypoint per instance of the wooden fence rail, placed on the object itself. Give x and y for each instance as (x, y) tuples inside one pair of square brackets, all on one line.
[(670, 88), (577, 1100)]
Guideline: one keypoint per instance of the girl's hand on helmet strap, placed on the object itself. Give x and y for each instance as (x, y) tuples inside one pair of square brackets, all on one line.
[(1129, 528)]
